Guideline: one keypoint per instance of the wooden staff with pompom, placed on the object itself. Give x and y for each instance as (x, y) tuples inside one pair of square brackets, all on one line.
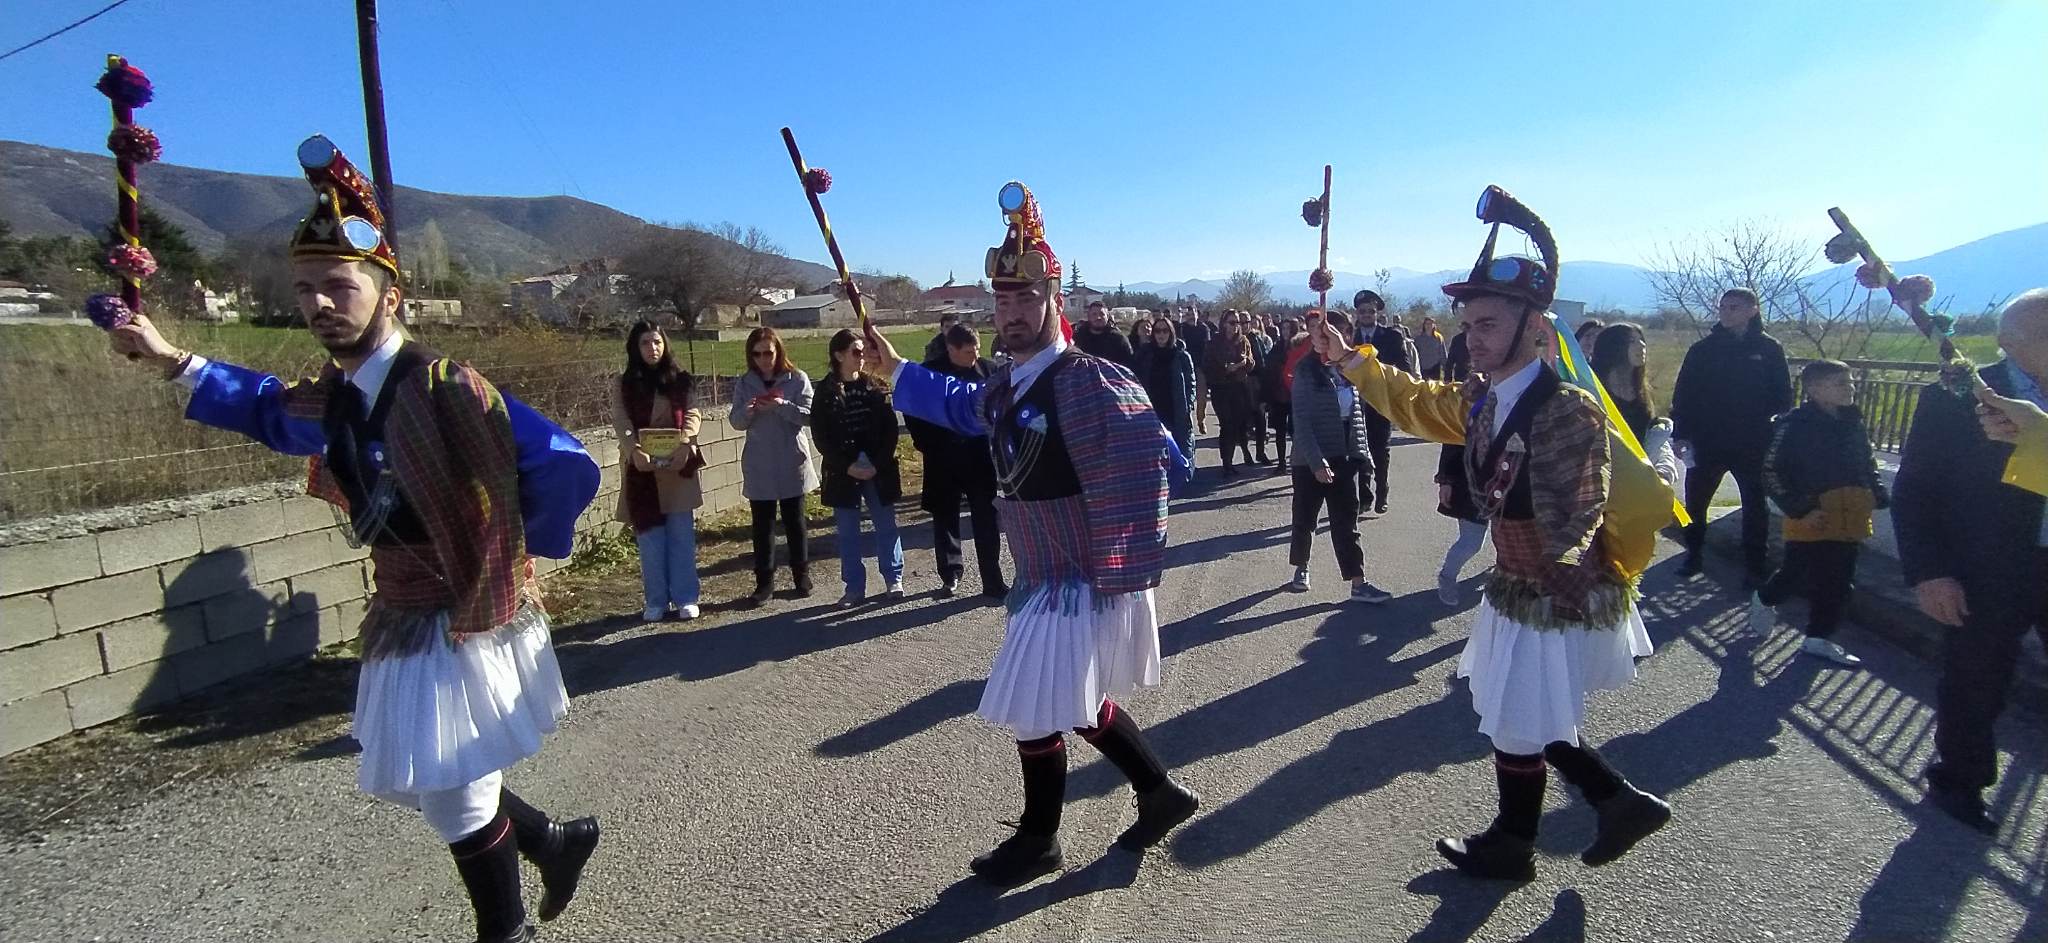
[(816, 181), (1316, 212), (132, 145), (1911, 294)]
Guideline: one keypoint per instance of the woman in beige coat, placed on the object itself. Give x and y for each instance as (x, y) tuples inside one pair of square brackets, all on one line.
[(659, 493)]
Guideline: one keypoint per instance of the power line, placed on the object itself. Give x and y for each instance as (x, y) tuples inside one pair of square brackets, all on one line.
[(37, 42)]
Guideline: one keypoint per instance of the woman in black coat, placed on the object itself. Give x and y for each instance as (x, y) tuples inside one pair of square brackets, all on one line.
[(855, 428), (1167, 371)]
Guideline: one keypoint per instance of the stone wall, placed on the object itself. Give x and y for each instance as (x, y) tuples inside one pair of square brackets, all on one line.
[(101, 626)]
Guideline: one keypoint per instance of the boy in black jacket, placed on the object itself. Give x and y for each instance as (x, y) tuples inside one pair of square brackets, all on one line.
[(1821, 472)]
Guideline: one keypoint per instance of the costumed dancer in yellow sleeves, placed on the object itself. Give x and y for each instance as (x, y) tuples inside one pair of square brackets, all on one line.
[(1572, 529)]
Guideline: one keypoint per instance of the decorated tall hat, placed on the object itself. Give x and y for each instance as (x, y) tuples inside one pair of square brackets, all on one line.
[(1515, 277), (1024, 259), (346, 222)]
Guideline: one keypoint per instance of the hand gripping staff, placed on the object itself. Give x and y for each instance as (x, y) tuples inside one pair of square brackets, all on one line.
[(1316, 212), (815, 181), (132, 145), (1911, 294)]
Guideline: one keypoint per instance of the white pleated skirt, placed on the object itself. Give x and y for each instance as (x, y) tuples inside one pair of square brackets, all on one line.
[(448, 714), (1064, 651), (1529, 685)]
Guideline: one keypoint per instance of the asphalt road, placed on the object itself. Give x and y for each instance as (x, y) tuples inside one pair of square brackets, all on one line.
[(802, 773)]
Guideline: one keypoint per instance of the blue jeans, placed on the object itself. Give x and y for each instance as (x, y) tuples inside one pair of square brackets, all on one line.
[(668, 562), (852, 562)]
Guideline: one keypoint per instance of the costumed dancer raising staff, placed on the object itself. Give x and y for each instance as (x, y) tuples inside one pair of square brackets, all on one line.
[(1558, 619), (451, 484), (1082, 465)]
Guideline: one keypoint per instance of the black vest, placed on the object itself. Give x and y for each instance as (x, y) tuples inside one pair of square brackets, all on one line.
[(359, 456), (1493, 469), (1029, 450)]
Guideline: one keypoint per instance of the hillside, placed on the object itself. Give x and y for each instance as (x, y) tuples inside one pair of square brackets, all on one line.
[(45, 191)]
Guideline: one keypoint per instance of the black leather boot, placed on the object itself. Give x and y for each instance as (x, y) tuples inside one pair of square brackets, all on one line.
[(1035, 848), (488, 862), (764, 588), (1158, 812), (558, 849), (1493, 854), (1627, 817)]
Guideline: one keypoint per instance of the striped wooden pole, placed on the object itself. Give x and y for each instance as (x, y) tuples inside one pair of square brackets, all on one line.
[(128, 218)]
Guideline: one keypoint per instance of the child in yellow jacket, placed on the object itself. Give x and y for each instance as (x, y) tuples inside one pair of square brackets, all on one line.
[(1822, 473)]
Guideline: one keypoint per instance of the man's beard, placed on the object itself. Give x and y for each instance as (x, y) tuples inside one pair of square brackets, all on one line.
[(359, 346)]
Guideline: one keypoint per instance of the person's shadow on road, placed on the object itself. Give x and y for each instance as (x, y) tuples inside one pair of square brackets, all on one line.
[(972, 907)]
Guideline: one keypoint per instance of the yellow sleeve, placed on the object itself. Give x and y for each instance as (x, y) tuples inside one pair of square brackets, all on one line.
[(1432, 409), (2028, 467)]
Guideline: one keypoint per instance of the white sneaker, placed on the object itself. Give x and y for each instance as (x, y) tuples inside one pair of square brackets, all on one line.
[(1830, 651), (949, 586), (688, 612), (894, 590), (653, 613), (1758, 624), (851, 600), (1300, 582), (1447, 588), (1368, 593)]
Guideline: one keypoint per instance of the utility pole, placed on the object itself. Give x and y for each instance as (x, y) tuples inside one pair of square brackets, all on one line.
[(373, 116)]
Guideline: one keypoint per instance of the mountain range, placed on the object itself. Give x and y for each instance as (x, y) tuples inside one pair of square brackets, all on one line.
[(45, 191), (1968, 277)]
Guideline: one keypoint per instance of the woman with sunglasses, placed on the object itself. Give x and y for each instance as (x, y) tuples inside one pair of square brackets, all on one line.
[(855, 426), (1277, 397), (1167, 371), (771, 403), (659, 493), (1227, 364), (1329, 454)]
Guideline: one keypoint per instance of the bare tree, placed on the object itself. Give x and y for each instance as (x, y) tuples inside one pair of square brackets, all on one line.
[(897, 292), (1245, 290), (427, 256), (688, 269), (1689, 277)]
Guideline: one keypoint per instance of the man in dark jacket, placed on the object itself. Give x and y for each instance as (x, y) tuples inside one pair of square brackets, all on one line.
[(1391, 346), (1099, 338), (1733, 382), (957, 466), (935, 348), (1976, 551)]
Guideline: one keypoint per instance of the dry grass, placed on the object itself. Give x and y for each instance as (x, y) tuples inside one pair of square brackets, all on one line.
[(81, 430)]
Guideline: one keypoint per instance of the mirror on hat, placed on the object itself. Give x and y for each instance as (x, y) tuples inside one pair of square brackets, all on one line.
[(362, 234), (1011, 199), (317, 151)]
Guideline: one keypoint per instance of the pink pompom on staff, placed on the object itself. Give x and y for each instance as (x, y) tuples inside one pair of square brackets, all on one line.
[(816, 181), (132, 145)]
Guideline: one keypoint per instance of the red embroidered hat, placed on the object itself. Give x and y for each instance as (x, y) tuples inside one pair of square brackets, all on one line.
[(1024, 259), (346, 222)]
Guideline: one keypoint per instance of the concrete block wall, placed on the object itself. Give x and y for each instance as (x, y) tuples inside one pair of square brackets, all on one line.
[(99, 627)]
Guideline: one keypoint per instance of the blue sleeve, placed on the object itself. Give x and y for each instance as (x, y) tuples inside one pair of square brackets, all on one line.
[(252, 403), (937, 398), (557, 480)]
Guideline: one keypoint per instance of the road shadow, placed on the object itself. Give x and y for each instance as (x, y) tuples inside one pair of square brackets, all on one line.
[(954, 700), (590, 666), (1349, 661), (1211, 549), (971, 907), (1463, 905)]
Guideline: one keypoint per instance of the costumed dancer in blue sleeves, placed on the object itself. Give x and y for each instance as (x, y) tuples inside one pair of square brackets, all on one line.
[(1081, 465), (451, 484)]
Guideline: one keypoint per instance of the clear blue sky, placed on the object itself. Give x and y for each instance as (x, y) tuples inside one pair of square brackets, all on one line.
[(1165, 140)]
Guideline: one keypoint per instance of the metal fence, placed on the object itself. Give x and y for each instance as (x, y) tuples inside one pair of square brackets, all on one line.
[(1887, 392), (71, 444)]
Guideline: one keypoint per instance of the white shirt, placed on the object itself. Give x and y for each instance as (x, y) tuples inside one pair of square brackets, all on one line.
[(367, 378), (1509, 391)]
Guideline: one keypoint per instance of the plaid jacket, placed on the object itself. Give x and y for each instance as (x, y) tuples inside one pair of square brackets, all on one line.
[(1565, 463), (1118, 448), (452, 449)]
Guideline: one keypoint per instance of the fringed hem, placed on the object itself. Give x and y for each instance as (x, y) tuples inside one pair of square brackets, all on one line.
[(1524, 601), (1063, 598), (1064, 650)]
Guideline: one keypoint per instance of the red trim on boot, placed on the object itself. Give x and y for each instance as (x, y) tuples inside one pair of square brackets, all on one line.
[(1103, 718), (1046, 746), (504, 828)]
